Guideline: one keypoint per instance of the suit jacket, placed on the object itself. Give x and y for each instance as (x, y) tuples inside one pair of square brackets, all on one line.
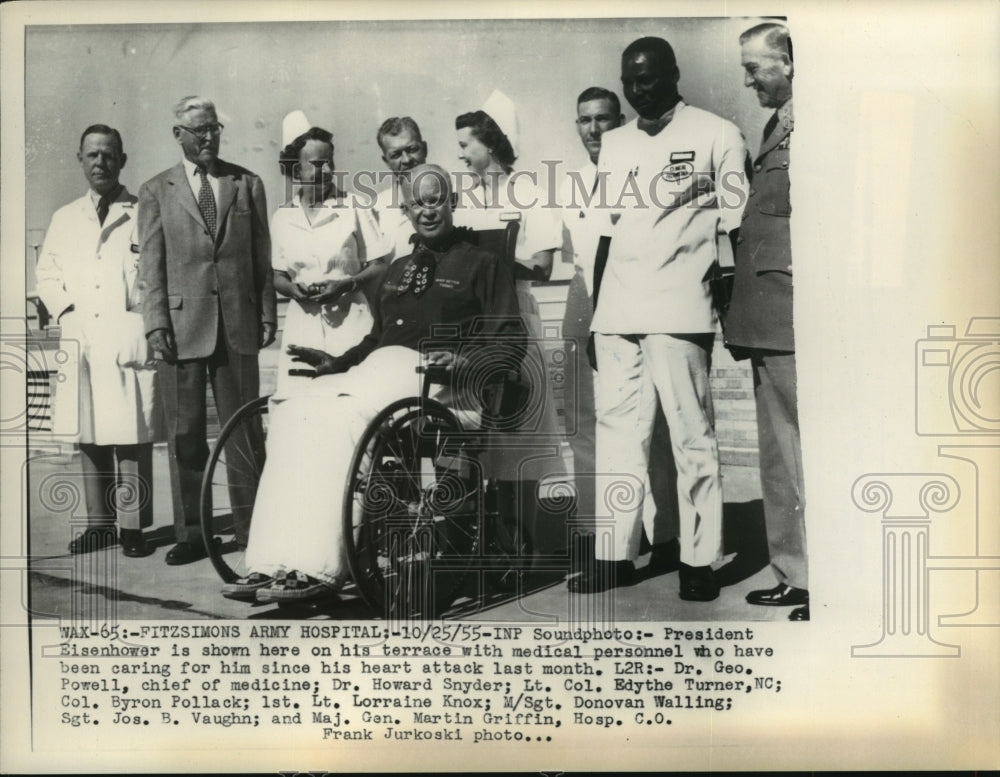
[(760, 314), (186, 277)]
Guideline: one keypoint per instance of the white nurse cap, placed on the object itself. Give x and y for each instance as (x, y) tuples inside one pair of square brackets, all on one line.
[(293, 125), (501, 109)]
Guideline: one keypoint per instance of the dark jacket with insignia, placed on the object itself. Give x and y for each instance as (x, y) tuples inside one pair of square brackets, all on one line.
[(760, 314)]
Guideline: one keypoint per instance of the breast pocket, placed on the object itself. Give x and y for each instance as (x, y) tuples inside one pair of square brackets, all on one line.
[(772, 185)]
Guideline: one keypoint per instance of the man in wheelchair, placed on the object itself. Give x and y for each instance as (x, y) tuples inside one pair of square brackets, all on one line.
[(296, 549)]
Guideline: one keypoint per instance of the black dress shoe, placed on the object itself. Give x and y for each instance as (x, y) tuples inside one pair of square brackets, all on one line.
[(782, 595), (799, 613), (185, 553), (698, 584), (602, 576), (93, 538), (134, 545), (664, 558)]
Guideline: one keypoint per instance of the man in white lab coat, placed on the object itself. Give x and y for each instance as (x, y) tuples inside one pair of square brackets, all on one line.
[(86, 277)]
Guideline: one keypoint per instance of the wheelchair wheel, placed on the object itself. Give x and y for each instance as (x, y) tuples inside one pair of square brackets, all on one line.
[(413, 509), (505, 545), (229, 487)]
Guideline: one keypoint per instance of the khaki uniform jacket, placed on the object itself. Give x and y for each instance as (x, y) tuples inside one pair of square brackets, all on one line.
[(760, 315)]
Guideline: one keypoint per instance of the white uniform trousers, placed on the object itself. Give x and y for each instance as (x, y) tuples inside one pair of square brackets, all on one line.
[(633, 370)]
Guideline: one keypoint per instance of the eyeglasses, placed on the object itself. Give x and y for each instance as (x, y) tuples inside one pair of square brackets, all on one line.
[(204, 131), (429, 205)]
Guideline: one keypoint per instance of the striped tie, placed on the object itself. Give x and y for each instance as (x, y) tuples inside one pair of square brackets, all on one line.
[(206, 202)]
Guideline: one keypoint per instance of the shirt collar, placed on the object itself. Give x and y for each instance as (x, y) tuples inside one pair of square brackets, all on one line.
[(654, 126), (457, 235), (332, 201), (95, 198), (331, 210), (785, 115), (192, 169)]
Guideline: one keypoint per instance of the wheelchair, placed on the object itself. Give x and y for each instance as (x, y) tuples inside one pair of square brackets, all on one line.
[(421, 516)]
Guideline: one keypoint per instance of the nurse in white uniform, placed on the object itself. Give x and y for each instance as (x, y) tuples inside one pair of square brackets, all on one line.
[(494, 195), (325, 253)]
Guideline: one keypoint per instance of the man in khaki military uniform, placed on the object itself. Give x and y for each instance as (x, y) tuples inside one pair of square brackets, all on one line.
[(759, 325)]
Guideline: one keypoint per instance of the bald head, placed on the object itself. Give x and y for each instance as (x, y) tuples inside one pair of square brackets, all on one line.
[(427, 201)]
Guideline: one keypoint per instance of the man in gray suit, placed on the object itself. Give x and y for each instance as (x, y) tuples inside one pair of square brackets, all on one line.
[(209, 304)]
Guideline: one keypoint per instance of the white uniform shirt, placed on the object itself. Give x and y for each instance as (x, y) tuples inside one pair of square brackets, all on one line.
[(517, 199), (677, 192), (584, 222), (339, 240), (393, 222)]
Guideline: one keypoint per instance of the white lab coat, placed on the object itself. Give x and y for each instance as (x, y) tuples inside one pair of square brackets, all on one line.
[(93, 268)]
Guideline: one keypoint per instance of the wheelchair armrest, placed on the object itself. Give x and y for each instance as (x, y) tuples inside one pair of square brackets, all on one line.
[(434, 374), (492, 392)]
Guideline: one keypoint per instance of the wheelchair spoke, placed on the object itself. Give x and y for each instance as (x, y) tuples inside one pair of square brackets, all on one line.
[(245, 474), (244, 464), (413, 513), (229, 487)]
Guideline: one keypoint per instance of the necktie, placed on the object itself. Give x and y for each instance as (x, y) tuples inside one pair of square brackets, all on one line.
[(206, 202), (771, 124), (103, 205)]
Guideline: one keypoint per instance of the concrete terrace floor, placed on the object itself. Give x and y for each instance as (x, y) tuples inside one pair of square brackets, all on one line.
[(106, 585)]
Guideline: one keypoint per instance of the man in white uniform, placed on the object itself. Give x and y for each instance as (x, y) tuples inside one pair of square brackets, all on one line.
[(598, 110), (402, 149), (676, 175), (86, 276)]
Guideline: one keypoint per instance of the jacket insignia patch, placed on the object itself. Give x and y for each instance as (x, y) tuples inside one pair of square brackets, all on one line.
[(680, 166)]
